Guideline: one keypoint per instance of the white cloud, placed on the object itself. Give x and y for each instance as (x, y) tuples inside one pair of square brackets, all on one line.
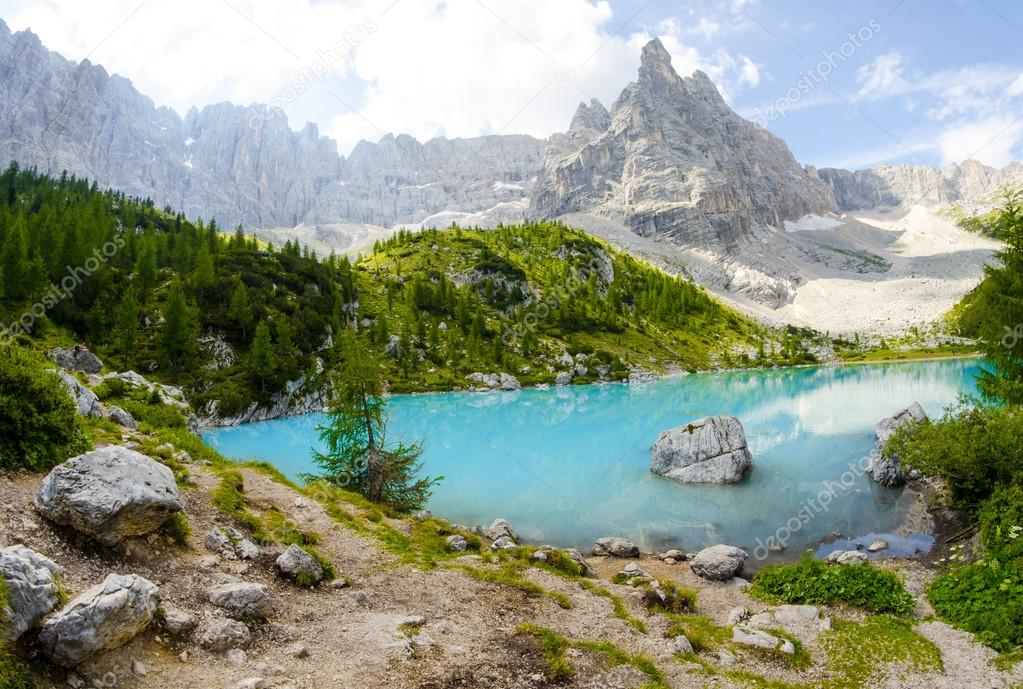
[(993, 140), (882, 77), (454, 68)]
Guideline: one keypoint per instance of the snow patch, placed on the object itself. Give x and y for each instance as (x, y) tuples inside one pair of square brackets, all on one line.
[(810, 223)]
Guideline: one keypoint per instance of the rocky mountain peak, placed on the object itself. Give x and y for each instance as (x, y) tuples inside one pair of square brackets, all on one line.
[(593, 116)]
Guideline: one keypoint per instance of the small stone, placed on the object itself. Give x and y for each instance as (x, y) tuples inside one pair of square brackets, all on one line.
[(177, 621), (846, 557), (183, 656), (503, 543), (300, 565), (718, 562), (75, 682), (500, 528), (243, 599), (673, 554), (615, 547), (680, 644), (539, 556), (878, 545), (209, 561), (237, 656), (338, 583), (138, 668), (737, 616), (361, 598), (253, 683), (726, 659), (222, 635), (298, 650)]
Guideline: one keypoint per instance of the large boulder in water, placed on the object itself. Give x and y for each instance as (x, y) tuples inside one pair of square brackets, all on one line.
[(884, 467), (32, 593), (110, 494), (710, 450), (104, 617)]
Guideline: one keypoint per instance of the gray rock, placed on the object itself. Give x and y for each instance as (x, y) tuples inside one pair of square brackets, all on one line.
[(110, 494), (85, 400), (299, 651), (503, 543), (298, 564), (236, 656), (878, 545), (718, 562), (846, 557), (672, 554), (122, 418), (710, 450), (76, 359), (456, 543), (615, 547), (737, 616), (243, 600), (761, 639), (176, 621), (563, 378), (231, 543), (103, 618), (680, 644), (577, 557), (30, 581), (884, 467), (633, 570), (500, 528), (222, 635)]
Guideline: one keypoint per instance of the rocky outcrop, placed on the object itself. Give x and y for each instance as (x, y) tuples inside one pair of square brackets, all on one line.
[(109, 494), (104, 617), (906, 185), (718, 562), (883, 466), (85, 400), (501, 528), (77, 359), (299, 396), (495, 381), (710, 450), (30, 582), (122, 418), (673, 161)]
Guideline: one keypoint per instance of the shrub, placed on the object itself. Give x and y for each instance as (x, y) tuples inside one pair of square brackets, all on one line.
[(1001, 522), (985, 598), (814, 582), (111, 387), (13, 673), (975, 449), (177, 528), (38, 423)]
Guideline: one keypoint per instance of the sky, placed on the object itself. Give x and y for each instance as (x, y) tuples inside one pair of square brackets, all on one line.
[(850, 84)]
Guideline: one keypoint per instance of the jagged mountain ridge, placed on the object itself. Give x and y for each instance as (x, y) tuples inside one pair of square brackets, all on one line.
[(238, 164), (672, 159)]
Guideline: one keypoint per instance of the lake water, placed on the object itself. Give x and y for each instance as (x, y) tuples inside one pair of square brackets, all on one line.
[(568, 465)]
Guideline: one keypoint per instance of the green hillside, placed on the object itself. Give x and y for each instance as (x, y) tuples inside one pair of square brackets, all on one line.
[(232, 320)]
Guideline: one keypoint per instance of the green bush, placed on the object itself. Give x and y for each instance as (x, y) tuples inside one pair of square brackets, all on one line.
[(975, 449), (985, 598), (813, 582), (38, 424), (111, 387), (1001, 522), (13, 673)]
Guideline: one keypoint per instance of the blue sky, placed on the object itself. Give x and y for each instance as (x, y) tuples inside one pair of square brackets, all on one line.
[(920, 82)]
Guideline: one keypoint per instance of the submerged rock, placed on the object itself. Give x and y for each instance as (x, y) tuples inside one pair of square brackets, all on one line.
[(884, 467), (710, 450), (110, 494), (718, 562), (104, 617)]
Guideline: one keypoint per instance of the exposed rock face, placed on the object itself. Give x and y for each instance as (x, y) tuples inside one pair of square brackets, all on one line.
[(110, 494), (240, 164), (885, 467), (104, 617), (895, 185), (710, 450), (76, 359), (300, 565), (672, 160), (28, 578), (85, 400), (718, 562)]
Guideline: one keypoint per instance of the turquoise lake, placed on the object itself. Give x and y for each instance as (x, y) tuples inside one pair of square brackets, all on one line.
[(568, 465)]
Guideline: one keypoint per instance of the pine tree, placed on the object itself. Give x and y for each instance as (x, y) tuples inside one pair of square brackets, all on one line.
[(357, 457), (261, 356), (180, 330), (239, 311), (203, 277), (128, 313)]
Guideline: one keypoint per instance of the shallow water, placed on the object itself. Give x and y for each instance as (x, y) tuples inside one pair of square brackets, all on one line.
[(568, 465)]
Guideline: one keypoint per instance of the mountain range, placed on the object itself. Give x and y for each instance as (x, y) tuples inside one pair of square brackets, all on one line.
[(670, 172)]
